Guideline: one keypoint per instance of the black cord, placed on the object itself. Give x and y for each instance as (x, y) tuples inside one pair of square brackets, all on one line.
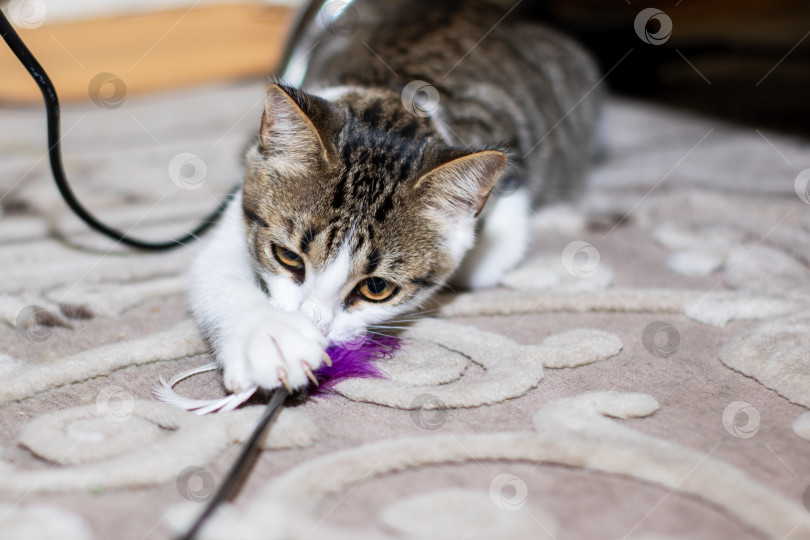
[(240, 467), (55, 153)]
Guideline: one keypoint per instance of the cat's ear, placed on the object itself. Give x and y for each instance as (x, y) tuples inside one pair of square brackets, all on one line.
[(296, 126), (462, 185)]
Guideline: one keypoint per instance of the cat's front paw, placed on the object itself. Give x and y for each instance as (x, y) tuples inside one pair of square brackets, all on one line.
[(279, 349)]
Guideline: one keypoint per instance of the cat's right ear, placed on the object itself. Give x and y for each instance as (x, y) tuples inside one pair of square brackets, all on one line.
[(461, 186), (296, 127)]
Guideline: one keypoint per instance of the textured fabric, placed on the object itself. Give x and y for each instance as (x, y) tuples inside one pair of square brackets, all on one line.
[(642, 375)]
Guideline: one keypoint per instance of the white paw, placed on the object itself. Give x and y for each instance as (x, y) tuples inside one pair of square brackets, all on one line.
[(280, 347), (500, 245)]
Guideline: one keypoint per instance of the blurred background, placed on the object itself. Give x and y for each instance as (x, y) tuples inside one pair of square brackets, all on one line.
[(160, 97), (742, 60), (151, 45)]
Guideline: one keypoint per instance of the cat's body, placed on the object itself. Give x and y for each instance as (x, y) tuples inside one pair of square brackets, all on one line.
[(358, 206)]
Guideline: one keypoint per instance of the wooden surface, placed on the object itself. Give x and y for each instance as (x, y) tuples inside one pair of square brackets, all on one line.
[(149, 53)]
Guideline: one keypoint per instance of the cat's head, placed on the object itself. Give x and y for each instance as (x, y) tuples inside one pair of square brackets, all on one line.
[(355, 210)]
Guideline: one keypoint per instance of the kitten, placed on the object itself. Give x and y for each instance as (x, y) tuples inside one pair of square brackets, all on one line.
[(364, 193)]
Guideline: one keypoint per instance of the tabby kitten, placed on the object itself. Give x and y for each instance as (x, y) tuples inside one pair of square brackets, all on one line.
[(362, 196)]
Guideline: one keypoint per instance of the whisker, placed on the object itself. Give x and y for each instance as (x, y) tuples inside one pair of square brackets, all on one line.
[(381, 334), (378, 333), (423, 311), (388, 326), (411, 328), (416, 317), (385, 335), (430, 331)]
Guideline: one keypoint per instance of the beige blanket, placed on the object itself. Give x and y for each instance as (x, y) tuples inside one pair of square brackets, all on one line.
[(645, 373)]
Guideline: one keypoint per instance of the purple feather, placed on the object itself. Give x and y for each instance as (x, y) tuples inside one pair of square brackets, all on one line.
[(354, 359)]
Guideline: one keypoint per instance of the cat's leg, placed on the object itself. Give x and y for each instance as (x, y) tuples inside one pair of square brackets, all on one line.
[(255, 343), (501, 243)]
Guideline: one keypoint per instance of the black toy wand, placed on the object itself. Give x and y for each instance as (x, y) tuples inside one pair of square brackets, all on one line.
[(239, 468)]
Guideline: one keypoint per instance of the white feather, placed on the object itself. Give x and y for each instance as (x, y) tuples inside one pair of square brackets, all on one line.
[(164, 392)]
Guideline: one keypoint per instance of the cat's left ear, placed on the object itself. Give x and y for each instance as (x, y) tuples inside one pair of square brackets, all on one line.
[(296, 126), (462, 185)]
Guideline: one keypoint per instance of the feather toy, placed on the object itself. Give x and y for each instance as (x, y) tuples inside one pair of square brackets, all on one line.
[(349, 360)]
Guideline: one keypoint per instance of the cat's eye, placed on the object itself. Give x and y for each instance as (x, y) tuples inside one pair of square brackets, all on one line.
[(285, 257), (375, 289)]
